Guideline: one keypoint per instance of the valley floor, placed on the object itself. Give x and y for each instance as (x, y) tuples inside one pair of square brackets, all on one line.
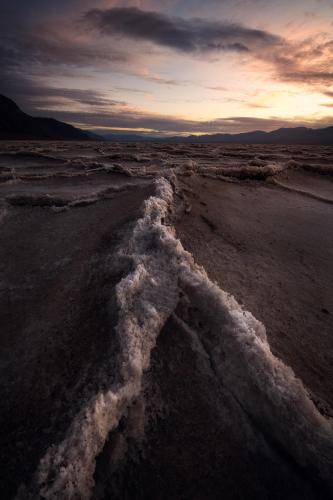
[(125, 371)]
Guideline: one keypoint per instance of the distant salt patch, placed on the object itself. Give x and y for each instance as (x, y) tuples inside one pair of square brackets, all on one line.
[(156, 168), (249, 171), (267, 390), (258, 168), (58, 202)]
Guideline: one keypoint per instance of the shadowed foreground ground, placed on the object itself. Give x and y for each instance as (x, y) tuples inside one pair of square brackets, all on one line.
[(57, 284), (197, 441), (272, 250), (64, 211)]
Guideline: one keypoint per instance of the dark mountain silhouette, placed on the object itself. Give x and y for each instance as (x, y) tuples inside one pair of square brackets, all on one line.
[(297, 135), (15, 124)]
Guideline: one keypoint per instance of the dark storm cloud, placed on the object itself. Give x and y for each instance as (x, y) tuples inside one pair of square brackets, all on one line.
[(186, 35), (50, 48), (26, 56), (29, 50), (307, 62), (30, 95), (48, 95)]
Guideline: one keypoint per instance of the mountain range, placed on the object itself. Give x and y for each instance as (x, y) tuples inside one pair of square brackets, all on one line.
[(296, 135), (16, 125)]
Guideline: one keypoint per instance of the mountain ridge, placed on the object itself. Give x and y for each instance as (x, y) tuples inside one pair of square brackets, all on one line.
[(283, 135), (17, 125)]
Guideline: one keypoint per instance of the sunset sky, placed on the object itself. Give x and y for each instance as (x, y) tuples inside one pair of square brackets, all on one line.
[(166, 67)]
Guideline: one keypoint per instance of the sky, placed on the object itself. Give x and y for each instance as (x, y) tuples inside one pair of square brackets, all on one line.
[(170, 67)]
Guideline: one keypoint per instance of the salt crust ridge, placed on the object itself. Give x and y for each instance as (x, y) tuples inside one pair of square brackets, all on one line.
[(268, 390)]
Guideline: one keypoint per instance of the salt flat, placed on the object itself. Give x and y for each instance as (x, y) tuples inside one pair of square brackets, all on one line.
[(92, 277)]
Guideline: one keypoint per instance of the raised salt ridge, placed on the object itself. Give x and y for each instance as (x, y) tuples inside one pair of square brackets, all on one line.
[(264, 387)]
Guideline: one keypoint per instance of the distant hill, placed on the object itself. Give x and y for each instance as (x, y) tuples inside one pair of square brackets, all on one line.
[(15, 124), (297, 135)]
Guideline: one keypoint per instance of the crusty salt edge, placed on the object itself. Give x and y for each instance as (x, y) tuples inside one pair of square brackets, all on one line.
[(264, 386), (53, 201), (246, 171), (66, 471), (267, 389), (303, 192)]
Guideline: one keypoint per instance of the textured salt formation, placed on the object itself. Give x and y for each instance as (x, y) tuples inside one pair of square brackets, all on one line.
[(149, 159), (267, 390), (310, 193), (48, 200), (143, 308), (270, 397), (245, 172)]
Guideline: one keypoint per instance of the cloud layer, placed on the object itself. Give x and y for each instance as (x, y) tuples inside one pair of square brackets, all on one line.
[(100, 67), (126, 118), (186, 35), (308, 62)]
